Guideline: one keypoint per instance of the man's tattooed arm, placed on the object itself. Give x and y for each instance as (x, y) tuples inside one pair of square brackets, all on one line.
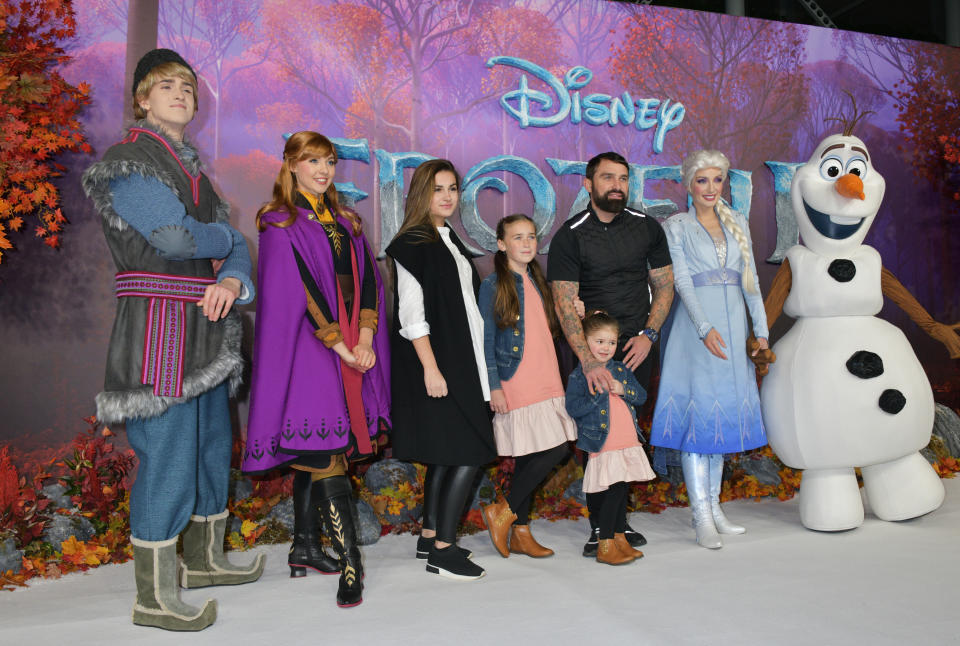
[(564, 294), (661, 284)]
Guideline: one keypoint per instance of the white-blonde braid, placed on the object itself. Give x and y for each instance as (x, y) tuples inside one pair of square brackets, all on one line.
[(725, 213), (715, 159)]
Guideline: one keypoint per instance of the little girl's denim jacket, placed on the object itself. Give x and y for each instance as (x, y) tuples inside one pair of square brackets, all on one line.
[(592, 412), (502, 348)]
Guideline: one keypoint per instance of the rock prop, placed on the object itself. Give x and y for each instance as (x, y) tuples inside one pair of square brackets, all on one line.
[(946, 426), (368, 525), (485, 494), (766, 470), (57, 494), (282, 512), (389, 473), (63, 526), (11, 559), (575, 490), (385, 480), (241, 487)]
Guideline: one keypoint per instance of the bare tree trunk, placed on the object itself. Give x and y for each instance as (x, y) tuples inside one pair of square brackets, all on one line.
[(141, 38), (504, 149), (216, 112), (416, 102)]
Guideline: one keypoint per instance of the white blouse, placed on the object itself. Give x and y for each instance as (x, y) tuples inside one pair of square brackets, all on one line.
[(413, 320)]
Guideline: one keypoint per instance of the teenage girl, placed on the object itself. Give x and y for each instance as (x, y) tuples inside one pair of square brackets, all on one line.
[(526, 393), (607, 428), (439, 377)]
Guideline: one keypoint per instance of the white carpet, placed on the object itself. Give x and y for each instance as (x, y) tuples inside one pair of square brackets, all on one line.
[(884, 583)]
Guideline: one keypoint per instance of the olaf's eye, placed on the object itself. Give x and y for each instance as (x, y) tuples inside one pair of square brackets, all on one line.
[(858, 167), (831, 168)]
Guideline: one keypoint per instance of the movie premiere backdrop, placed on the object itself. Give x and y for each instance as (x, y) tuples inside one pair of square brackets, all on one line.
[(519, 95)]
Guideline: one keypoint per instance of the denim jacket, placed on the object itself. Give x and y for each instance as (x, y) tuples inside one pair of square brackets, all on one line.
[(503, 348), (591, 411)]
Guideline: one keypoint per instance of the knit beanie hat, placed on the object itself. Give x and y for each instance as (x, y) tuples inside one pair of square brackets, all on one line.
[(157, 57)]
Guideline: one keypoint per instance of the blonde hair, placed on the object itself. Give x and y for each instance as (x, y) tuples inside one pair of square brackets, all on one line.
[(157, 74), (715, 159), (303, 145)]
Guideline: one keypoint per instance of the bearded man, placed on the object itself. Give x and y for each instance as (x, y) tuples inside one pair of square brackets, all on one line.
[(613, 258)]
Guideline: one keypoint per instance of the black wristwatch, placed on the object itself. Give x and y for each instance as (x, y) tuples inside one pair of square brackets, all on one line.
[(651, 334)]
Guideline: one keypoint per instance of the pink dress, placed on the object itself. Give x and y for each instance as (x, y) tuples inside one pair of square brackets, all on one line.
[(622, 458), (537, 418)]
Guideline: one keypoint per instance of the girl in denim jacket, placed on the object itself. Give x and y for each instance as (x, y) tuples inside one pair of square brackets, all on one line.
[(607, 428), (526, 393)]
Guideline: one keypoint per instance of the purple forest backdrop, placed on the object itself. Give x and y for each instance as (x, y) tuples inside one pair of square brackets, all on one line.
[(411, 76)]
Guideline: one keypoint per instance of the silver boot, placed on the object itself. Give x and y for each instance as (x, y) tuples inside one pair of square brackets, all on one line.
[(724, 526), (696, 473)]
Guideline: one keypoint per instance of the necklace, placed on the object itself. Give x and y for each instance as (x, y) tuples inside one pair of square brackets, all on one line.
[(329, 225)]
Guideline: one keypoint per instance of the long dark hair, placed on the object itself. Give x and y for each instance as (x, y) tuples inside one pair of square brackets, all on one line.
[(303, 145), (506, 301), (416, 210)]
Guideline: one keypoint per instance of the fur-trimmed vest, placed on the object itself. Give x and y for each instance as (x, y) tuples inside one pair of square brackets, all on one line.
[(211, 349)]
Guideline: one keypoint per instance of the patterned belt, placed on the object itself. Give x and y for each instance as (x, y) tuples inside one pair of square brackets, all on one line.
[(164, 334), (724, 276)]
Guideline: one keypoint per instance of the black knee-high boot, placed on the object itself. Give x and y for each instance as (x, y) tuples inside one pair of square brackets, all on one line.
[(336, 507), (306, 550)]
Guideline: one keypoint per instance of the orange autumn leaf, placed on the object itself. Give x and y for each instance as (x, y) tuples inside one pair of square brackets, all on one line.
[(247, 528), (80, 553)]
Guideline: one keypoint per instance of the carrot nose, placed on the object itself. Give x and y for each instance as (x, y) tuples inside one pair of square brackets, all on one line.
[(850, 185)]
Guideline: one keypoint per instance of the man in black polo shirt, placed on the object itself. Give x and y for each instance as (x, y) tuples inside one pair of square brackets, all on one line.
[(607, 255)]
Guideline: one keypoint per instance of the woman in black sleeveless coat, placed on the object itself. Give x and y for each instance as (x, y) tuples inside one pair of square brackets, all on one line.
[(440, 393)]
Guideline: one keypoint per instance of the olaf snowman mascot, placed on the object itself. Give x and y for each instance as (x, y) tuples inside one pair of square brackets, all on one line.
[(846, 389)]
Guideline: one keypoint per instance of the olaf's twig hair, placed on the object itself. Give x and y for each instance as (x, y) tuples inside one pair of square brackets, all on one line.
[(850, 122)]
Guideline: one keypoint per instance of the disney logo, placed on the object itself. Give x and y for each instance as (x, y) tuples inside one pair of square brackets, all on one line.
[(595, 109)]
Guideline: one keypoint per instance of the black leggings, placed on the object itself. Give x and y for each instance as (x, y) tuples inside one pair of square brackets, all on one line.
[(528, 474), (612, 516), (445, 491)]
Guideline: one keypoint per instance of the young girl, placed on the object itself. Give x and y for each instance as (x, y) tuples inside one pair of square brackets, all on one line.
[(607, 428), (526, 394)]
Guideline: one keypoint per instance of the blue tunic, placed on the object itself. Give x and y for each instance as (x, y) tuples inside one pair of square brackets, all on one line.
[(707, 404)]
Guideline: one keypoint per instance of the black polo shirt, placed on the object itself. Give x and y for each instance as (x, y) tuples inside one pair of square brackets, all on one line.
[(610, 262)]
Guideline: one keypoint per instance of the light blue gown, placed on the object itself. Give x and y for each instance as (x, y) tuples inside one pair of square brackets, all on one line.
[(707, 404)]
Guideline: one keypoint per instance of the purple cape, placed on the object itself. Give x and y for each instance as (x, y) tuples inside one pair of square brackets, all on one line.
[(297, 403)]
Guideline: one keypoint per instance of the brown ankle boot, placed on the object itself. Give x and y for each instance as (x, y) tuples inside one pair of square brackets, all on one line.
[(620, 540), (499, 518), (523, 542), (608, 553)]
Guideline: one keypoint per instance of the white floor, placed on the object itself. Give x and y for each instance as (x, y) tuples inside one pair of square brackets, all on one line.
[(884, 583)]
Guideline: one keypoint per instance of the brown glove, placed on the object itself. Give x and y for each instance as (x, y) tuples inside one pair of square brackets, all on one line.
[(762, 359)]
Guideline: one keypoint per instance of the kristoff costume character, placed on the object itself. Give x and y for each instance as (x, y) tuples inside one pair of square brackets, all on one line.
[(170, 369)]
